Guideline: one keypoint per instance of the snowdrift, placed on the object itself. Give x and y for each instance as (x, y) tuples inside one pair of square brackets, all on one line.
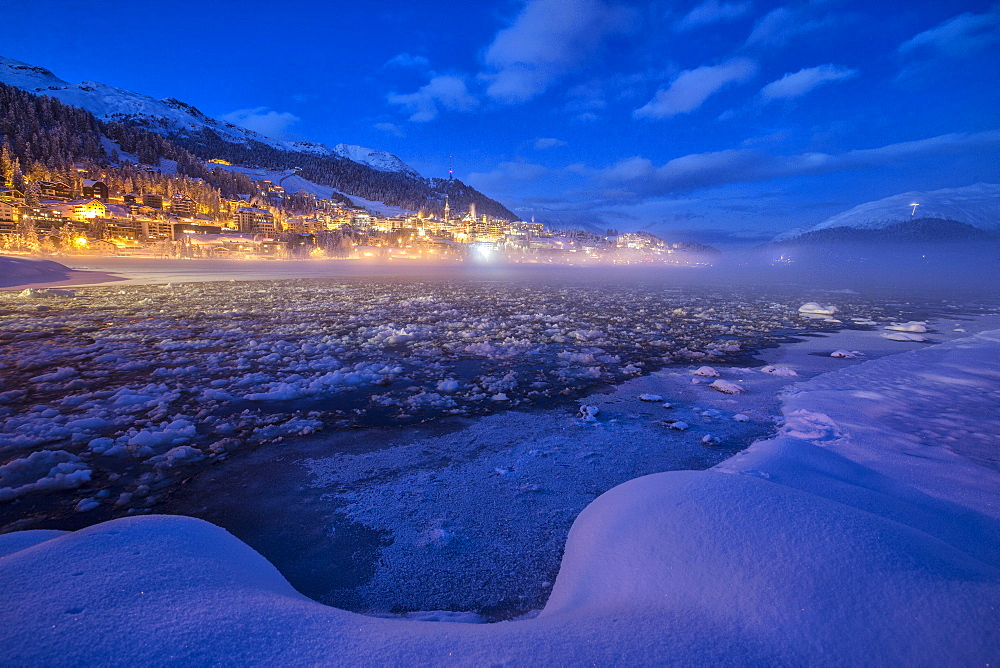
[(21, 270), (867, 531)]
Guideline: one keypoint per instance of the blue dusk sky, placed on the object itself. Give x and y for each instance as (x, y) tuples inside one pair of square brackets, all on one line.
[(722, 121)]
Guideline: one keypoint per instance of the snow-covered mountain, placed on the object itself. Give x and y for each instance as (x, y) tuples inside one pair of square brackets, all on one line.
[(170, 116), (977, 205), (380, 160)]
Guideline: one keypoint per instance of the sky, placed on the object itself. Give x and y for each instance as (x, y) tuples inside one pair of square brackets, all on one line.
[(720, 121)]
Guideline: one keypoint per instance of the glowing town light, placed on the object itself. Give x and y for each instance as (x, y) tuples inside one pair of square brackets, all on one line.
[(914, 205), (81, 241)]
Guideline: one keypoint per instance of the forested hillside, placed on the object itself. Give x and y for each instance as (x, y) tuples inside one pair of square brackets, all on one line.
[(44, 138)]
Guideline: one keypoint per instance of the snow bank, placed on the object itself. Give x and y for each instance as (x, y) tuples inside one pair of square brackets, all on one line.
[(865, 532), (22, 270)]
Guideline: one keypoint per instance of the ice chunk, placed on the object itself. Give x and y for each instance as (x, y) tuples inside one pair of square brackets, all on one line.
[(813, 308), (904, 336), (44, 293), (182, 454), (918, 327), (83, 505), (846, 354), (448, 385), (778, 370), (727, 387), (589, 413), (42, 470), (706, 371), (650, 397)]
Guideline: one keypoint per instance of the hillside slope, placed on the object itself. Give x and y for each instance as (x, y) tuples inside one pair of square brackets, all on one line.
[(369, 174)]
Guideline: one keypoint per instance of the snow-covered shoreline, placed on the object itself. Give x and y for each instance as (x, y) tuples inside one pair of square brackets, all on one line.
[(867, 531)]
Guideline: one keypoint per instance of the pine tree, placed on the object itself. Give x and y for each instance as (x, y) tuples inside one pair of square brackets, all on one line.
[(32, 196), (6, 166), (17, 180)]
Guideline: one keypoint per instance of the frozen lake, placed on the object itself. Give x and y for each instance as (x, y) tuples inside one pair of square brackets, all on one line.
[(400, 442)]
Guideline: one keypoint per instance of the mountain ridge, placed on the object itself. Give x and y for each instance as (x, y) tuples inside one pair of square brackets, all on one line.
[(119, 104), (369, 174), (976, 205)]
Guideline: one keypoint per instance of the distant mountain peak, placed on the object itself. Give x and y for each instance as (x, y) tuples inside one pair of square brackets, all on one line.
[(380, 160), (976, 205), (173, 115)]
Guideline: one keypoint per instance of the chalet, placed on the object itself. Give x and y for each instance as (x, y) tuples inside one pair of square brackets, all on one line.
[(183, 206), (81, 210), (12, 196), (132, 198), (101, 247), (54, 190), (95, 190)]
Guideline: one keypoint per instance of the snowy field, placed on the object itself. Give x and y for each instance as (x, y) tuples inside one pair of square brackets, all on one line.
[(865, 531)]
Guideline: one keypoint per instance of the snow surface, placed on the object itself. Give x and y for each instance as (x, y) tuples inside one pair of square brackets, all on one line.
[(977, 205), (22, 270), (293, 183), (380, 160), (866, 532)]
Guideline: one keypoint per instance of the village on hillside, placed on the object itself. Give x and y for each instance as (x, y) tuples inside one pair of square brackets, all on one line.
[(90, 215)]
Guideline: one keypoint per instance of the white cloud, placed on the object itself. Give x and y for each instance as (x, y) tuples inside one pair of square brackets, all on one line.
[(959, 36), (543, 143), (783, 23), (406, 60), (506, 176), (261, 119), (389, 129), (547, 39), (692, 87), (638, 178), (713, 11), (796, 84), (441, 92)]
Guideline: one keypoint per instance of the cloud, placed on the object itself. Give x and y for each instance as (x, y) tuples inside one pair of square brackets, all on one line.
[(783, 23), (796, 84), (959, 36), (406, 60), (261, 119), (506, 175), (547, 39), (543, 143), (441, 92), (712, 11), (638, 177), (692, 87), (389, 129)]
